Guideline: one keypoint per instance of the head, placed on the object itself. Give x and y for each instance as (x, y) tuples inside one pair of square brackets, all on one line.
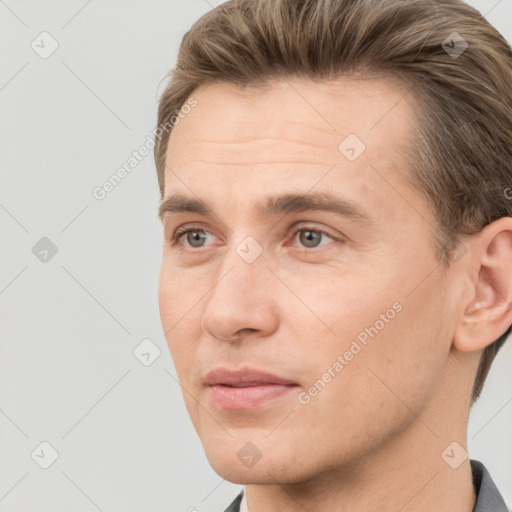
[(410, 282)]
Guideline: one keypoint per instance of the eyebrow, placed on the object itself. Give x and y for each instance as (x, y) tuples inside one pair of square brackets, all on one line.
[(287, 203)]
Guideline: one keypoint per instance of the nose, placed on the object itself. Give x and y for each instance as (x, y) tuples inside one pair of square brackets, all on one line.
[(242, 301)]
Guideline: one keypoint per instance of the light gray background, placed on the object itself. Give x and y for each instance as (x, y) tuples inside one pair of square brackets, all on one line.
[(69, 326)]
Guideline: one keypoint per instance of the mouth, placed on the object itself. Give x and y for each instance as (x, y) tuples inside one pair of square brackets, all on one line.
[(246, 388)]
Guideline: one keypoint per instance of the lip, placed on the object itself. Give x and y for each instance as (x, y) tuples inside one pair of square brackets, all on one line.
[(243, 377), (245, 388)]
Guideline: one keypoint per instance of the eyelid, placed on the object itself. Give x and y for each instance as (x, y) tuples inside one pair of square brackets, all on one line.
[(183, 230), (299, 227)]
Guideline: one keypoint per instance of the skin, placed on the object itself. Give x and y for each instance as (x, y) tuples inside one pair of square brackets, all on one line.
[(372, 439)]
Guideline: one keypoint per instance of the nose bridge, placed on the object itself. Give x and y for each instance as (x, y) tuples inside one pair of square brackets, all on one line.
[(240, 297), (243, 270)]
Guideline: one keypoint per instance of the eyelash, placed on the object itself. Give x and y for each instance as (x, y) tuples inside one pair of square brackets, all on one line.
[(180, 232)]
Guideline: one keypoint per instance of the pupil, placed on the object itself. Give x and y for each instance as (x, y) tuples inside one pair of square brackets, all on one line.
[(196, 236), (310, 236)]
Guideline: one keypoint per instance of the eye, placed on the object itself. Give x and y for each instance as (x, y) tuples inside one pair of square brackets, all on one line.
[(310, 238), (194, 236)]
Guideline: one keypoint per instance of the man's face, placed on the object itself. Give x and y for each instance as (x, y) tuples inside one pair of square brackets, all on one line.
[(358, 318)]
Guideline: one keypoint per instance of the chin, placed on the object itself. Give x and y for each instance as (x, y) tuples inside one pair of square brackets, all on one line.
[(263, 473), (243, 476), (261, 463)]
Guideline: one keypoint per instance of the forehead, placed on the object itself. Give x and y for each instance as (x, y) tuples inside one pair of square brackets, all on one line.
[(306, 118), (288, 135)]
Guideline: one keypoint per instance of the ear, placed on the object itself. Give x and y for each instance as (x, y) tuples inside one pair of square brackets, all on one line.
[(489, 314)]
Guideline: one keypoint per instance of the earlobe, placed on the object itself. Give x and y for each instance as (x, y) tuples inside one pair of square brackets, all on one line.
[(489, 314)]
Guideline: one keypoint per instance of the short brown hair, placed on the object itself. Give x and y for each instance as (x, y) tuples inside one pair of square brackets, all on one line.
[(461, 149)]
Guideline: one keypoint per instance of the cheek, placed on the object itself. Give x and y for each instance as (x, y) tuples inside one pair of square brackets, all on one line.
[(394, 369), (341, 304), (180, 316), (385, 328), (179, 294)]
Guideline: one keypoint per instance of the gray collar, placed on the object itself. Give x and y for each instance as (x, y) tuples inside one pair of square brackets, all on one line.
[(488, 498)]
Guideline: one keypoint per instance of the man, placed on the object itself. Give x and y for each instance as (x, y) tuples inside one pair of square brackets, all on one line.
[(337, 267)]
